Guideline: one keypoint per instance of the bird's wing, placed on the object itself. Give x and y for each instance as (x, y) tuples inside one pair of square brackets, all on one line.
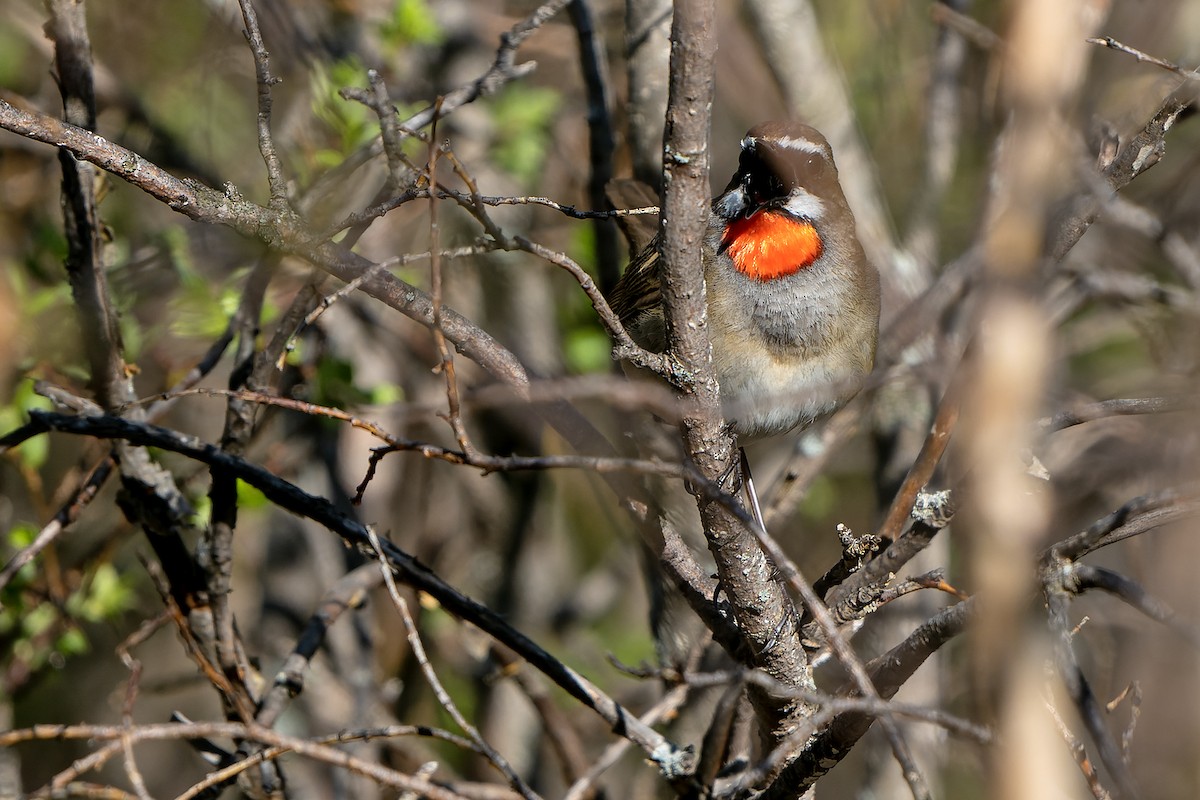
[(639, 291)]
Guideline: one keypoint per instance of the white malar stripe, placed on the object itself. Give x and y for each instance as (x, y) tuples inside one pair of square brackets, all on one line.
[(803, 204), (803, 145), (732, 203)]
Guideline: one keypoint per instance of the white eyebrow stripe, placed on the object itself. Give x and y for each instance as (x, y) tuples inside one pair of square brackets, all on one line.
[(803, 145), (748, 143), (801, 203)]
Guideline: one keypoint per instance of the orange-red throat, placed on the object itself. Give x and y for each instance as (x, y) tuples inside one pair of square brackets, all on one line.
[(771, 244)]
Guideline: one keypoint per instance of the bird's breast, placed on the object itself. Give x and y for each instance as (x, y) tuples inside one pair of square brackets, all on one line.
[(769, 245)]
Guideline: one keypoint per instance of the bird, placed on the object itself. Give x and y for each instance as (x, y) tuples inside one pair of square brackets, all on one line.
[(793, 303)]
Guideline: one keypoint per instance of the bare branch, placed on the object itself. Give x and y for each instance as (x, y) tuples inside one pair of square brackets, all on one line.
[(264, 80), (1113, 44)]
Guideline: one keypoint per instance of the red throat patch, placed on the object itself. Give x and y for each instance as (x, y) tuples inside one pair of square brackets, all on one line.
[(771, 245)]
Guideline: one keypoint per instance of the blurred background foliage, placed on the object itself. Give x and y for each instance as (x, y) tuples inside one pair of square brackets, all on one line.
[(550, 551)]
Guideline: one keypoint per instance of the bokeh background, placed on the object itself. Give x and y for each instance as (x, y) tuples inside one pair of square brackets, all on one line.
[(552, 551)]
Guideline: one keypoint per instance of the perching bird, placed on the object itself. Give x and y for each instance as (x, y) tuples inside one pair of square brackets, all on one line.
[(793, 305)]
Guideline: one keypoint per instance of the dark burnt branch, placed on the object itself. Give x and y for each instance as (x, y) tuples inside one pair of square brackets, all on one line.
[(81, 224), (601, 138)]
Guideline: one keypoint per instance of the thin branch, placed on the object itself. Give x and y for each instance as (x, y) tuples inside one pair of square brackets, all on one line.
[(348, 593), (665, 708), (318, 750), (1085, 576), (847, 658), (1079, 753), (445, 358), (1136, 516), (1079, 690), (1117, 407), (601, 139), (502, 70), (1113, 44), (264, 80)]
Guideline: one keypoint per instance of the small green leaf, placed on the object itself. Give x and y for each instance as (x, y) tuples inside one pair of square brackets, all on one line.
[(21, 535), (32, 452), (72, 642), (587, 350), (107, 595), (386, 394), (412, 22), (38, 619), (523, 116), (248, 497)]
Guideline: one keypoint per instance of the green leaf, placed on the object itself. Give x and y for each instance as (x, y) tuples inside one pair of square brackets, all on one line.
[(523, 116), (21, 535), (412, 22), (386, 394), (248, 497), (38, 620), (107, 595), (32, 452), (72, 642), (587, 350)]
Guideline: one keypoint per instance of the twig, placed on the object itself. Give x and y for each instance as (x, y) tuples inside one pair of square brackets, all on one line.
[(1085, 576), (847, 658), (1077, 687), (445, 357), (667, 706), (228, 773), (348, 593), (1113, 44), (1117, 407), (81, 766), (264, 81), (502, 70), (1079, 753), (560, 734), (1135, 516), (888, 672)]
